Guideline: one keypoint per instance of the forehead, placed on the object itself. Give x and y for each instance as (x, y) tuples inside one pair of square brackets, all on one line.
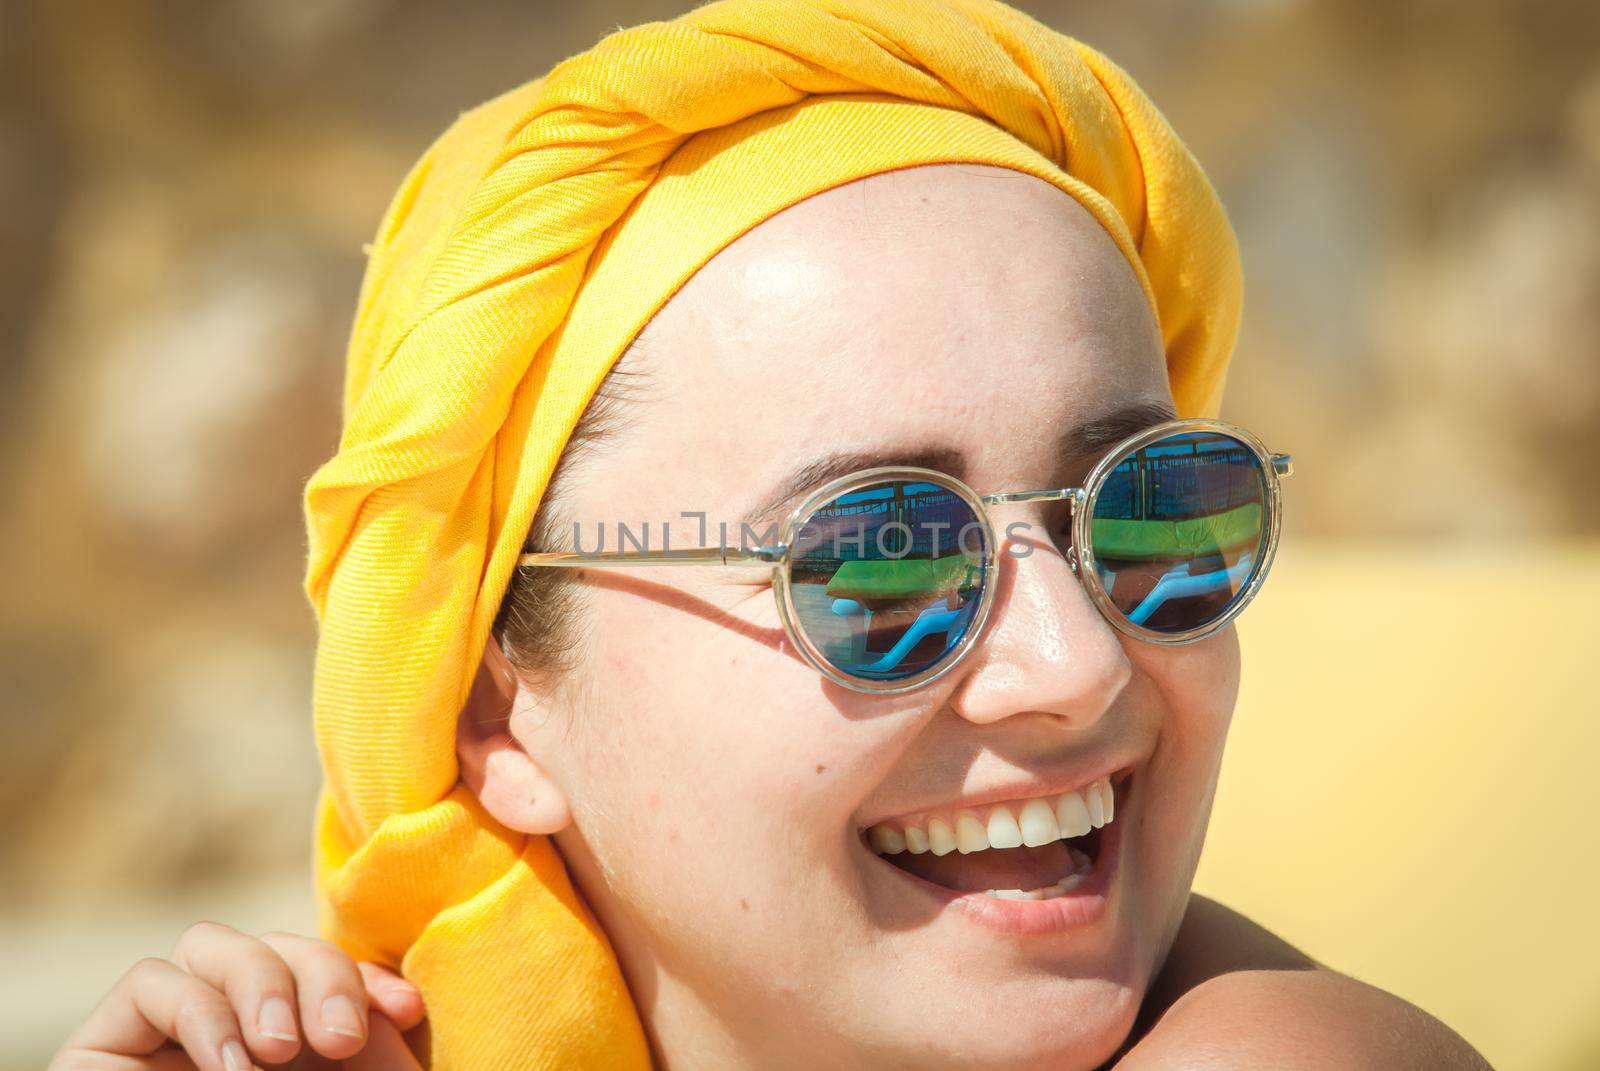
[(960, 307)]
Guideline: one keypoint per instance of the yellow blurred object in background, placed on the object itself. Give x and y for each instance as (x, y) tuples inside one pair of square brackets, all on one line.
[(1409, 790)]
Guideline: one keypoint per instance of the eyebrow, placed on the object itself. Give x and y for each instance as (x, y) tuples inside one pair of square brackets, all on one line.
[(1077, 445), (1087, 441)]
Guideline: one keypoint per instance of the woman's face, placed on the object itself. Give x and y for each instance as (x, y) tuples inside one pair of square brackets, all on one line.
[(965, 317)]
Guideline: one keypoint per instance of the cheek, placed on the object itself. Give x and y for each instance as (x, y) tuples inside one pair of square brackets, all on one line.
[(707, 745), (679, 706), (1197, 684)]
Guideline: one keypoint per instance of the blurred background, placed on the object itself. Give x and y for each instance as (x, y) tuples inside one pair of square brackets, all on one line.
[(185, 189)]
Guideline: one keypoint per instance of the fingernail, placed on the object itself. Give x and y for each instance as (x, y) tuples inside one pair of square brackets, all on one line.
[(339, 1016), (233, 1056), (276, 1019), (405, 988)]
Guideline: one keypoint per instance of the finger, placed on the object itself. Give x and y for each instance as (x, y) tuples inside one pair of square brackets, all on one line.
[(157, 1001), (255, 980), (332, 994), (386, 1050), (389, 993)]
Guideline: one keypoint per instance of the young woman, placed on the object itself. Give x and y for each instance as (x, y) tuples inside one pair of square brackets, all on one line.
[(911, 765)]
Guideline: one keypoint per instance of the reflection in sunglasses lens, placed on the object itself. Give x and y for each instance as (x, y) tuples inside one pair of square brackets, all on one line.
[(886, 579), (1178, 529)]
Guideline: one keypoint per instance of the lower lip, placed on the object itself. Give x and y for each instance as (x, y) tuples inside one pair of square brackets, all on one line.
[(1080, 907)]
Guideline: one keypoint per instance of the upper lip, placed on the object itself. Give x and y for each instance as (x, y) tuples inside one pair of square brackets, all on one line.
[(1052, 785)]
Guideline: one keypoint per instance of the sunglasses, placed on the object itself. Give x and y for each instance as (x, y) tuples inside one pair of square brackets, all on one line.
[(885, 577)]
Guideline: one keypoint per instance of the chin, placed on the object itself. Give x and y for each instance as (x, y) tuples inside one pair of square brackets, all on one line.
[(1063, 1025)]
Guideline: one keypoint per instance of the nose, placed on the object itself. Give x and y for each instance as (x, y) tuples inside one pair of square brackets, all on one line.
[(1046, 648)]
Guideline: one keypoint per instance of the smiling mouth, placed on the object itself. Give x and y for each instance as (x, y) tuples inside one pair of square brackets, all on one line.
[(1026, 849)]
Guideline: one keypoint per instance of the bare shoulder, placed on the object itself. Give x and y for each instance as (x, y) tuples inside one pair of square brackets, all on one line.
[(1232, 994), (1214, 940)]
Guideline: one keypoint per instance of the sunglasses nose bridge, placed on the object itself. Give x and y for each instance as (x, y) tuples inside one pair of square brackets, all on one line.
[(1074, 497), (1051, 494), (1045, 646)]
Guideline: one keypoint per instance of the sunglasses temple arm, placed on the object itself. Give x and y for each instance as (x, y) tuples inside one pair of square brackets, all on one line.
[(688, 556)]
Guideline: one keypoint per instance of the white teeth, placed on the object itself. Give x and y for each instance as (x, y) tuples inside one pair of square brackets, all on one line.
[(1039, 825), (970, 834), (1016, 894), (888, 841), (1049, 892), (940, 840), (1003, 830), (1097, 810), (1073, 815)]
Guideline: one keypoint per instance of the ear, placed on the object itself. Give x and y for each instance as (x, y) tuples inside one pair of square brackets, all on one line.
[(508, 781)]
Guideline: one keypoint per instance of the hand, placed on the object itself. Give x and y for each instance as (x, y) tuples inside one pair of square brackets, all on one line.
[(227, 1001)]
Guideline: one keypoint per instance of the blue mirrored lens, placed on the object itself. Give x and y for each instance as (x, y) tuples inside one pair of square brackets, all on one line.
[(887, 579), (1179, 528)]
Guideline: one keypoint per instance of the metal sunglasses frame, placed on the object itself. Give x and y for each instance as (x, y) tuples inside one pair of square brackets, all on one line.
[(1079, 553)]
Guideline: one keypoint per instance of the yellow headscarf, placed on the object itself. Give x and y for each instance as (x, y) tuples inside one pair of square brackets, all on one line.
[(523, 253)]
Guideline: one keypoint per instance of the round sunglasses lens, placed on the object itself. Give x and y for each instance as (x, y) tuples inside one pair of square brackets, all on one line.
[(886, 580), (1179, 528)]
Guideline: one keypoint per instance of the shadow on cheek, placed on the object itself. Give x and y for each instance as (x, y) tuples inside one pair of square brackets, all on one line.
[(845, 703), (681, 601)]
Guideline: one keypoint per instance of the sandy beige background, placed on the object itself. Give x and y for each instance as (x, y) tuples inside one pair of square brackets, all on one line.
[(185, 188)]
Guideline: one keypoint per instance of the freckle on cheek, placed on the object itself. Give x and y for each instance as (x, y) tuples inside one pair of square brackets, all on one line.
[(820, 767), (744, 905)]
